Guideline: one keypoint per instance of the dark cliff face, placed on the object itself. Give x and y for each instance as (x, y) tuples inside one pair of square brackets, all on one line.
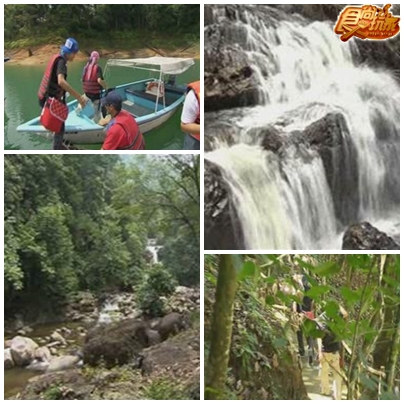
[(222, 227)]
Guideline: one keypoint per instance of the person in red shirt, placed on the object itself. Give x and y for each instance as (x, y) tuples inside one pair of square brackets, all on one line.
[(123, 132)]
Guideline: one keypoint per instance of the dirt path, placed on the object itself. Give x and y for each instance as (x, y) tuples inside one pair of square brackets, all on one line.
[(311, 380), (40, 54)]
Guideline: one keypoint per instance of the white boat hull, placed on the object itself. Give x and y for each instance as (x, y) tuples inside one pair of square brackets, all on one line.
[(97, 135)]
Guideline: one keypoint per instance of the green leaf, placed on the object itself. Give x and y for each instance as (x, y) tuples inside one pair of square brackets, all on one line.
[(304, 264), (332, 309), (326, 269), (316, 291), (210, 277), (280, 342), (359, 260), (270, 300), (248, 271), (349, 295), (270, 279)]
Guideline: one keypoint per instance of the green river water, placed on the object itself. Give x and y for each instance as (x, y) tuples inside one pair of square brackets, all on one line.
[(21, 104)]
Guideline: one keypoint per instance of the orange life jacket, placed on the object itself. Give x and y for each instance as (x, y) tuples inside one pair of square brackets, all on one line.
[(91, 85), (47, 84), (131, 128), (195, 86)]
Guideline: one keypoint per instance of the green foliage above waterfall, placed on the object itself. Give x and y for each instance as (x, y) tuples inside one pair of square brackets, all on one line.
[(82, 222)]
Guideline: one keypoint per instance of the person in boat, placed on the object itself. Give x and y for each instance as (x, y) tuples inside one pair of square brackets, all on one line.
[(93, 83), (54, 83), (190, 117), (123, 132)]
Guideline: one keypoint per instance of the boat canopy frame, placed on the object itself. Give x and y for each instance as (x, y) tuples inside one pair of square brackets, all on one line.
[(167, 65)]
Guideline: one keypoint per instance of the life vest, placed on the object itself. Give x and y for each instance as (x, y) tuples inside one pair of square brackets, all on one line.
[(47, 84), (195, 86), (91, 85), (131, 128)]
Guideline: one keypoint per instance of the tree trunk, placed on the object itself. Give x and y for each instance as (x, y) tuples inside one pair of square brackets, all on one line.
[(394, 353), (222, 325)]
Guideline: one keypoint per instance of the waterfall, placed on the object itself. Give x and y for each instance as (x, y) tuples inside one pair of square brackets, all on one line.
[(153, 248), (109, 311), (305, 72)]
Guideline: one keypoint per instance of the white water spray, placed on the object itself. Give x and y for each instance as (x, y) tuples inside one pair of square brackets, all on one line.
[(306, 72)]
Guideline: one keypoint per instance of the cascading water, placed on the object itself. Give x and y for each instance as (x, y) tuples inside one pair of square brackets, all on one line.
[(109, 311), (305, 72), (153, 248)]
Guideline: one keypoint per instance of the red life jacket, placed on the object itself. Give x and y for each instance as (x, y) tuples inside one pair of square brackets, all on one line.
[(131, 128), (195, 86), (91, 85), (47, 84)]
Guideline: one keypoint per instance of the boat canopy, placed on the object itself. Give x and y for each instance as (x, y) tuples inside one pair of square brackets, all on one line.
[(161, 64)]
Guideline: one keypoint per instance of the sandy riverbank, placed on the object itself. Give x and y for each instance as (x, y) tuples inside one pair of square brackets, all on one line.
[(41, 54)]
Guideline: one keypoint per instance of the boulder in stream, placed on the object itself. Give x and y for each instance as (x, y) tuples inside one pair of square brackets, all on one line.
[(8, 359), (363, 236), (23, 350), (64, 363), (171, 324), (115, 344), (43, 354), (56, 337)]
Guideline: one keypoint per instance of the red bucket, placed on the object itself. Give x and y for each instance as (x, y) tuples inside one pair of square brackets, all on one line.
[(53, 115)]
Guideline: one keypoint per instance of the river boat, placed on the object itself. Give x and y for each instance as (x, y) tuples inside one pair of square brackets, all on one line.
[(151, 101)]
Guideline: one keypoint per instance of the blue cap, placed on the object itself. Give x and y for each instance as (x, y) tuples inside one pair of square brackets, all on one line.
[(71, 46), (112, 98)]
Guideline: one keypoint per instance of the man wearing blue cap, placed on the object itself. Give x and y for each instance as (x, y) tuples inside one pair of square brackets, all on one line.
[(123, 132), (54, 84)]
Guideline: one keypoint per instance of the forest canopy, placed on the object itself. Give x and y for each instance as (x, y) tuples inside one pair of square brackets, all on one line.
[(75, 223), (100, 20)]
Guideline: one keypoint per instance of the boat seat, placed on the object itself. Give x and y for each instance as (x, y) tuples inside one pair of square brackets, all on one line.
[(141, 94), (151, 97), (135, 109)]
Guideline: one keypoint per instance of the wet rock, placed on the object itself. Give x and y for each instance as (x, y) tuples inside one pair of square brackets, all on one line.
[(385, 54), (43, 354), (229, 80), (218, 133), (23, 350), (174, 355), (8, 359), (272, 138), (171, 324), (53, 344), (38, 366), (25, 330), (153, 337), (329, 136), (68, 385), (183, 300), (58, 338), (223, 230), (363, 236), (64, 363), (115, 343)]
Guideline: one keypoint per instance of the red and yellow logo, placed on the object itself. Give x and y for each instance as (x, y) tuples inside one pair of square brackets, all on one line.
[(367, 22)]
